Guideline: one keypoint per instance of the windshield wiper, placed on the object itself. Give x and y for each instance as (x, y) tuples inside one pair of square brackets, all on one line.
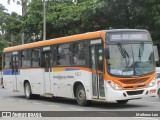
[(122, 51), (141, 49), (139, 55), (124, 54)]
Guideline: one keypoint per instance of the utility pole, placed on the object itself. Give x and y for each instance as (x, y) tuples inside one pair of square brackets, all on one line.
[(44, 20), (24, 11)]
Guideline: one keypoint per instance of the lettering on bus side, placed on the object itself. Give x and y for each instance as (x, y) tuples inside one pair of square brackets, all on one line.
[(77, 73), (60, 77)]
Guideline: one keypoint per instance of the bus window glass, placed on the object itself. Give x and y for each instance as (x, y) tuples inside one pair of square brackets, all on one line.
[(143, 58), (26, 58), (131, 59), (121, 60), (80, 53), (54, 51), (7, 60), (35, 57), (64, 55), (15, 61)]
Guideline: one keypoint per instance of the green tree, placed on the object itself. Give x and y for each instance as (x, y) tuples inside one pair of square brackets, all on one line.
[(3, 15), (24, 4), (13, 28)]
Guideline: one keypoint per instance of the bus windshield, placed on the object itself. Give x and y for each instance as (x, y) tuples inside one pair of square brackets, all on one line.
[(131, 59)]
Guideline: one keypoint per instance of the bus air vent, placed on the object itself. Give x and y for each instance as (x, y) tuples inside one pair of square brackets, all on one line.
[(133, 81), (130, 87), (138, 92)]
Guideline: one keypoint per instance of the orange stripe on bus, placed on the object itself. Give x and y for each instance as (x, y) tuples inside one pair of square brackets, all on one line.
[(117, 80), (90, 35)]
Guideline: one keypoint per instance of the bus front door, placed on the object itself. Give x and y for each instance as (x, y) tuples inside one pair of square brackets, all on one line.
[(97, 64), (46, 56)]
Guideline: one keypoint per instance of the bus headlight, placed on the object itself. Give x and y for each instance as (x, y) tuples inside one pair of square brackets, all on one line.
[(152, 83), (114, 85)]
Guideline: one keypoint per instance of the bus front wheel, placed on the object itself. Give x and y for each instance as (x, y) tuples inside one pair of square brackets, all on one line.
[(122, 101), (81, 95), (27, 91)]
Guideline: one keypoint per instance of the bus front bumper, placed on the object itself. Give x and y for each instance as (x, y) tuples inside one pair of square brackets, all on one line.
[(114, 95)]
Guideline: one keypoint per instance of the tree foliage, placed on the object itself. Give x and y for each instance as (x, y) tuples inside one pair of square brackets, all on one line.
[(67, 17)]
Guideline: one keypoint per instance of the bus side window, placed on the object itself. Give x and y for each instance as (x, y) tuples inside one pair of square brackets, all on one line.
[(54, 51), (64, 55), (35, 57), (15, 62), (80, 54), (26, 58), (7, 60), (42, 60)]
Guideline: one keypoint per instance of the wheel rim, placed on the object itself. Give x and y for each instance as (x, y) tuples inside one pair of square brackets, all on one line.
[(27, 90), (81, 95)]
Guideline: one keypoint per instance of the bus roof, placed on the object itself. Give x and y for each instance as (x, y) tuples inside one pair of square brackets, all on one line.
[(89, 35)]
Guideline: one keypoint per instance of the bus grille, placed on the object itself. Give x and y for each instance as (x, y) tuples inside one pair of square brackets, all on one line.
[(134, 87), (135, 92), (133, 81)]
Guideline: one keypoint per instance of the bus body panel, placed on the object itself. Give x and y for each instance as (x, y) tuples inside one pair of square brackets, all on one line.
[(34, 77), (8, 79), (62, 82), (64, 79)]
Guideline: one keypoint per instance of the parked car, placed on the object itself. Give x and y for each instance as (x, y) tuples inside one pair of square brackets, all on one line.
[(158, 83)]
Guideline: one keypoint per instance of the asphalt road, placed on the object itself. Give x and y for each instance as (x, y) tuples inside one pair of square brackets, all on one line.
[(15, 101)]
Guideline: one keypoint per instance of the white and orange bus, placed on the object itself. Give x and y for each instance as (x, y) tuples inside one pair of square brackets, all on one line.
[(110, 65)]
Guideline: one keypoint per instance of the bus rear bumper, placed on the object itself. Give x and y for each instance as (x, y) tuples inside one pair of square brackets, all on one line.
[(113, 95)]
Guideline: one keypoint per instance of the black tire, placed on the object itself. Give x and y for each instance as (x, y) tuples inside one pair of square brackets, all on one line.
[(122, 101), (28, 91), (159, 93), (81, 95)]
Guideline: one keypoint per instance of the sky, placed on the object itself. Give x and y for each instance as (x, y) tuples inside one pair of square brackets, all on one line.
[(13, 7)]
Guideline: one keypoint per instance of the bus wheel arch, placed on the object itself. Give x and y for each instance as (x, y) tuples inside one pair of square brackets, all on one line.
[(27, 89), (75, 87), (80, 94)]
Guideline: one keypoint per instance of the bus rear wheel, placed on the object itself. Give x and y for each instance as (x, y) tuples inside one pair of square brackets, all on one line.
[(27, 91), (81, 95), (122, 101)]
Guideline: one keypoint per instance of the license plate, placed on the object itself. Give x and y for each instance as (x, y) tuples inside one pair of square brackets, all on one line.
[(152, 91)]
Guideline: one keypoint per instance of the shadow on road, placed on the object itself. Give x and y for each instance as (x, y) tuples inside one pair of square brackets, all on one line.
[(101, 105)]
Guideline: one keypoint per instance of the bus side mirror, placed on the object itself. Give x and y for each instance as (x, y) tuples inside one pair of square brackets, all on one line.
[(106, 53), (156, 56)]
